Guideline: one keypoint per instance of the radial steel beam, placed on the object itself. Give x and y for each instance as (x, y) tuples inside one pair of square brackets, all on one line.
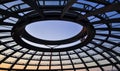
[(108, 59), (1, 37), (5, 31), (112, 7), (6, 24), (100, 1), (29, 60), (71, 61), (6, 48), (18, 59), (111, 42), (9, 55), (104, 29), (115, 20), (111, 35), (105, 48), (9, 14), (81, 60), (33, 4), (40, 61), (5, 1), (61, 64), (67, 7), (50, 62), (8, 42), (93, 60)]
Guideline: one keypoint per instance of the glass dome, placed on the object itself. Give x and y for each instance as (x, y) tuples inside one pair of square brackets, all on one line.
[(96, 47)]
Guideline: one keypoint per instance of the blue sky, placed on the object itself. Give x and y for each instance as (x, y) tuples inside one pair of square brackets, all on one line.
[(53, 29)]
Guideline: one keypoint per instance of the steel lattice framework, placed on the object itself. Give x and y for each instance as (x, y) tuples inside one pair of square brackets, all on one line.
[(99, 41)]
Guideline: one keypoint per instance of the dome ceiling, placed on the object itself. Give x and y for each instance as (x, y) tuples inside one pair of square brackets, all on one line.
[(95, 48)]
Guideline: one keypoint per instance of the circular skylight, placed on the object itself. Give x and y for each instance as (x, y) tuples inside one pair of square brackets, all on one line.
[(53, 29)]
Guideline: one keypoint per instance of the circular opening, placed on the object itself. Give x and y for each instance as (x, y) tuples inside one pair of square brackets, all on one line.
[(53, 30)]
